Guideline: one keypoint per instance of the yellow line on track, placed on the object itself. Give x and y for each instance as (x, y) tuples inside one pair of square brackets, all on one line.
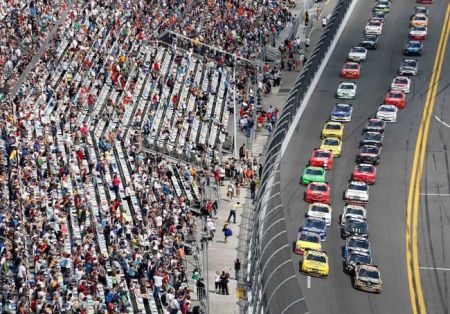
[(412, 210)]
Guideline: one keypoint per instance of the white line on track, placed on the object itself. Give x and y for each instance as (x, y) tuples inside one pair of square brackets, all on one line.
[(434, 268), (308, 282), (442, 122), (434, 194), (313, 85)]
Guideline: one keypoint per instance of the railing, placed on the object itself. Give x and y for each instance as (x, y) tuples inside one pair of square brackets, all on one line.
[(271, 279)]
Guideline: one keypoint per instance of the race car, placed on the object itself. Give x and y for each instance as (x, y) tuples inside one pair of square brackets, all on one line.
[(387, 113), (365, 172), (379, 17), (353, 211), (315, 263), (373, 27), (357, 54), (320, 210), (333, 129), (355, 259), (396, 98), (317, 192), (369, 154), (355, 227), (418, 33), (402, 84), (356, 244), (425, 1), (316, 225), (307, 241), (375, 125), (413, 48), (357, 192), (419, 19), (332, 144), (409, 67), (367, 278), (419, 10), (372, 138), (341, 113), (351, 70), (346, 90), (382, 7), (369, 42), (312, 174), (321, 158)]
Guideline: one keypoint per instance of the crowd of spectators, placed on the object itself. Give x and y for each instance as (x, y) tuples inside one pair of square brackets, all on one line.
[(91, 222)]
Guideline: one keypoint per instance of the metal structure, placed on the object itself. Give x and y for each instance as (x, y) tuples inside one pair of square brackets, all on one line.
[(271, 278)]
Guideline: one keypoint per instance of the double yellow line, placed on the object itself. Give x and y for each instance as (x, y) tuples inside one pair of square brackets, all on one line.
[(412, 210)]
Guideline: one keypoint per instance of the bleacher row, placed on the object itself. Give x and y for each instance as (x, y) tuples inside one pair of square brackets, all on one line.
[(69, 74)]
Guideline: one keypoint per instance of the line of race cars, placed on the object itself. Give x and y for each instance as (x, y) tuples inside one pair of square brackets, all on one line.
[(354, 228)]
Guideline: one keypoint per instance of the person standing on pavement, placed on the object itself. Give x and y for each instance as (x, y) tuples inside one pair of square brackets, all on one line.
[(324, 22), (217, 283), (224, 283), (237, 269), (306, 46), (227, 231), (253, 189), (201, 289), (233, 212)]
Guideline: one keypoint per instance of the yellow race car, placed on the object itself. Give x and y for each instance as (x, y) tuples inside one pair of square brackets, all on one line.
[(315, 263), (419, 20), (333, 129), (332, 144), (307, 241)]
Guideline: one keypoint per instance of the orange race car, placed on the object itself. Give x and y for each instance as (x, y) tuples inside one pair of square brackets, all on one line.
[(351, 70)]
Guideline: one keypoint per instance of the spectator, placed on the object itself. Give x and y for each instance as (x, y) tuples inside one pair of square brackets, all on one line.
[(227, 231), (237, 269)]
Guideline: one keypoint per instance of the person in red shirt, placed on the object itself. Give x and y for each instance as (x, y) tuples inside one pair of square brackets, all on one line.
[(116, 184)]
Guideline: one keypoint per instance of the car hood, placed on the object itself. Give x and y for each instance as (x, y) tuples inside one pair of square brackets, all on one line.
[(319, 215), (340, 113), (314, 229)]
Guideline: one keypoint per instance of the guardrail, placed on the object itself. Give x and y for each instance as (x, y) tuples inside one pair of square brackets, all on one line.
[(271, 279)]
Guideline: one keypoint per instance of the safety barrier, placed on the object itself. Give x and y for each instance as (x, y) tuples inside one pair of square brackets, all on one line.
[(271, 279)]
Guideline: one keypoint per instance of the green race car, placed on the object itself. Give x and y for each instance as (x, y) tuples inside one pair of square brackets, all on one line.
[(313, 174)]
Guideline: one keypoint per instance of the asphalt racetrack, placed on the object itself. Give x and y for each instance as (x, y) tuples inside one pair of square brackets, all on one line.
[(388, 197)]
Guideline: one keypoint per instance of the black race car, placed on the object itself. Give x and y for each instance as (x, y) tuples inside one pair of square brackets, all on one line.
[(369, 42)]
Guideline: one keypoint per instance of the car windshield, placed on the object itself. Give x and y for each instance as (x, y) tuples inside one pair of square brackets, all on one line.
[(320, 209), (372, 136), (354, 211), (374, 23), (359, 243), (321, 154), (314, 172), (361, 259), (369, 149), (309, 237), (342, 108), (358, 187), (351, 66), (315, 223), (401, 81), (356, 226), (420, 17), (318, 187), (332, 126), (347, 86), (331, 142), (410, 63), (370, 38), (419, 28), (365, 168), (358, 50), (414, 44), (316, 258), (373, 274), (387, 108), (395, 95), (372, 123)]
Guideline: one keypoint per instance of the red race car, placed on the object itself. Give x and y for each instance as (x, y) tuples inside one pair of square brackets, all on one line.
[(318, 192), (351, 70), (396, 98), (365, 172), (425, 1), (321, 158)]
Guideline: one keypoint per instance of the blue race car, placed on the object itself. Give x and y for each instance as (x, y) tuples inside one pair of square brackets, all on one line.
[(356, 244), (317, 225), (413, 48), (342, 113)]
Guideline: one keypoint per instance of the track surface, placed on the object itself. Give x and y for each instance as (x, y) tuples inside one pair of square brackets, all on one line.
[(387, 206)]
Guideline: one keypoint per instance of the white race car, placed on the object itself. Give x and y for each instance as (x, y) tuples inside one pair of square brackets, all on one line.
[(418, 33), (320, 210), (357, 54), (352, 211), (357, 192), (374, 27), (387, 113), (401, 83), (346, 90)]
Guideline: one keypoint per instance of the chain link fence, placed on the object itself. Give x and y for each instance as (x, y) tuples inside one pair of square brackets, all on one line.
[(270, 280)]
